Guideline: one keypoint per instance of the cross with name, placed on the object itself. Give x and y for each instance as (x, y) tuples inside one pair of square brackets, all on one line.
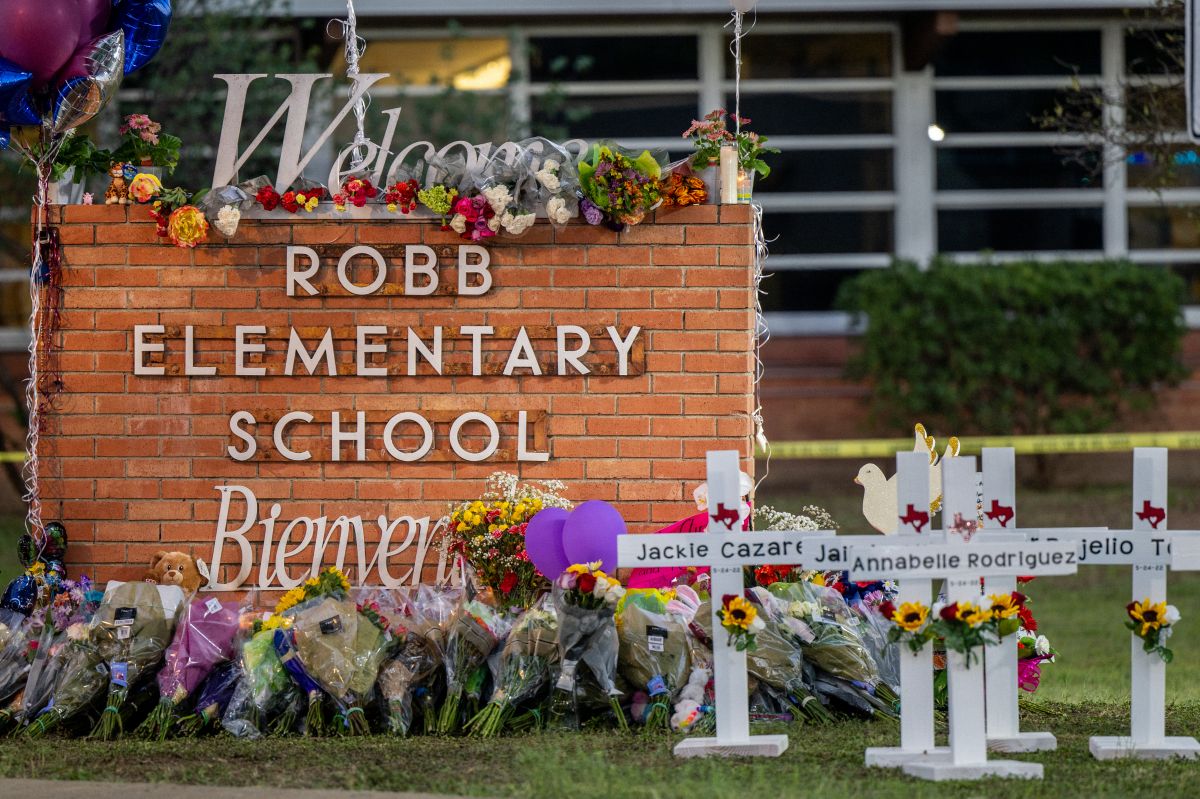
[(963, 564), (1151, 550)]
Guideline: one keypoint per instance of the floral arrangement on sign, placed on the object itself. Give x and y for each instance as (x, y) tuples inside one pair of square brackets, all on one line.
[(1153, 622), (710, 134), (618, 188), (489, 535)]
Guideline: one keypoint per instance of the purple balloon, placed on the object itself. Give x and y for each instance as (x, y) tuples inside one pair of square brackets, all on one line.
[(94, 18), (39, 35), (590, 533), (544, 541)]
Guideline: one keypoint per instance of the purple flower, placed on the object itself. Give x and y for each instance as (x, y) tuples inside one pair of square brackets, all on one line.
[(591, 213)]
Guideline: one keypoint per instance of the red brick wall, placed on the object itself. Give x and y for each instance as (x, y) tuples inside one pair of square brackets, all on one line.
[(131, 463)]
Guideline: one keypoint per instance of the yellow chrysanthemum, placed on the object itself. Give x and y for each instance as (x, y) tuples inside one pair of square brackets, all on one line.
[(578, 568), (1150, 615), (910, 616), (1003, 606)]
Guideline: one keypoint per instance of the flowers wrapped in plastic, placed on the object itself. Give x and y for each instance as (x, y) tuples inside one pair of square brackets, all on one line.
[(621, 186), (555, 179), (132, 629), (655, 653), (415, 663), (827, 630), (265, 700), (64, 638), (585, 600), (204, 638), (212, 701), (526, 665), (472, 632), (511, 194), (19, 635)]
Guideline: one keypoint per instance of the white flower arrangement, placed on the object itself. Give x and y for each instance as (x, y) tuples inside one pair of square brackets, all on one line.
[(498, 197), (557, 211), (516, 224), (227, 220), (548, 175)]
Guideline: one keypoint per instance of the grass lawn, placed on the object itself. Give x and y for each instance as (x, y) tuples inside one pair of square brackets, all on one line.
[(1085, 693)]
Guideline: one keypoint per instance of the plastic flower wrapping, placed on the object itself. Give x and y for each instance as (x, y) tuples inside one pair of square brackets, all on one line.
[(833, 640), (472, 633), (64, 634), (19, 636), (526, 666), (622, 186), (127, 637), (655, 650), (410, 677), (212, 700), (585, 600), (264, 700), (204, 638)]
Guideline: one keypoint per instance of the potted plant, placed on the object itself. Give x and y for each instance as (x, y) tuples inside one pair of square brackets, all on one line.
[(711, 134), (144, 145), (78, 160)]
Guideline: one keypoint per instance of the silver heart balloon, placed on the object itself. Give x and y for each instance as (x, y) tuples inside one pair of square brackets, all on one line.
[(80, 99)]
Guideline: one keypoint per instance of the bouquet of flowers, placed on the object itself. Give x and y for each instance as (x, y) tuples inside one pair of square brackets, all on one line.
[(213, 699), (1153, 622), (585, 600), (144, 143), (964, 627), (402, 196), (474, 218), (265, 700), (19, 636), (132, 629), (472, 632), (526, 663), (204, 639), (618, 186), (356, 190), (64, 637), (655, 654), (439, 199), (489, 533), (712, 132), (416, 659), (682, 187), (556, 182), (511, 194)]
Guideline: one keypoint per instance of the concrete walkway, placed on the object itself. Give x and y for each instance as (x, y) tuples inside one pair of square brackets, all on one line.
[(79, 789)]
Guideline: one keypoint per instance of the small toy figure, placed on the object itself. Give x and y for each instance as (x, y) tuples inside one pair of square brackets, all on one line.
[(117, 192)]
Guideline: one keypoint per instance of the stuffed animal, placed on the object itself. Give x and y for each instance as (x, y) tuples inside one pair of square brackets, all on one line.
[(117, 192), (174, 568)]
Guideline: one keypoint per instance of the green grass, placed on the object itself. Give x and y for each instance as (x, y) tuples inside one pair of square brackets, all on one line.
[(1085, 693)]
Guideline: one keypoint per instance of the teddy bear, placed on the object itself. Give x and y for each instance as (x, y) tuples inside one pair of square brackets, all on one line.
[(174, 568)]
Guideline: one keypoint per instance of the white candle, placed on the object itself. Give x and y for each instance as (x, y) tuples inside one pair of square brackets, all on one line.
[(729, 170)]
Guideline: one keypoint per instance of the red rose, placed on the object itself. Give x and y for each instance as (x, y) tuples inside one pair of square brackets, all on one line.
[(586, 582), (510, 582), (950, 611), (288, 201), (268, 198), (887, 609)]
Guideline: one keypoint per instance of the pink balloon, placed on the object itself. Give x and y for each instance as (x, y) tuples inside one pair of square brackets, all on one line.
[(39, 35), (543, 541)]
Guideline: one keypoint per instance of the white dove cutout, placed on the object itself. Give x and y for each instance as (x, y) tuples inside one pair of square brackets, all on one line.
[(879, 492)]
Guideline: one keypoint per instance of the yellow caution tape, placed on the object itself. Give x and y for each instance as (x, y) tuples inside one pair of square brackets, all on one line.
[(1024, 445), (12, 457)]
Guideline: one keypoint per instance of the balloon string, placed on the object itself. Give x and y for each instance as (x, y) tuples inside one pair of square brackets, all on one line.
[(762, 334), (356, 48)]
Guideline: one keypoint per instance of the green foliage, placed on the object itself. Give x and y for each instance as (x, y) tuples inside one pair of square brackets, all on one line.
[(165, 154), (1025, 348)]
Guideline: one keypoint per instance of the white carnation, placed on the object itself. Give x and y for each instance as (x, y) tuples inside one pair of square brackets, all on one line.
[(1042, 646), (518, 224), (227, 220), (1172, 614), (558, 211), (459, 224), (498, 197), (549, 180), (494, 224)]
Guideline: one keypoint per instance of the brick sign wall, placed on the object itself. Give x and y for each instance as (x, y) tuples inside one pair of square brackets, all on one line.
[(172, 457)]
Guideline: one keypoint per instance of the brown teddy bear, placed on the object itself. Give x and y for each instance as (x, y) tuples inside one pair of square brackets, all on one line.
[(174, 568)]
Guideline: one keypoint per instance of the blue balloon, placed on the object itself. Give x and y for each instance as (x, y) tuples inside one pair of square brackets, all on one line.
[(16, 103), (5, 136), (20, 110), (21, 594), (145, 25)]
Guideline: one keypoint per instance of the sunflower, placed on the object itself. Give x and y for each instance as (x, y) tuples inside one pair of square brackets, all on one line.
[(739, 613), (1150, 615), (972, 615), (1004, 606), (910, 616)]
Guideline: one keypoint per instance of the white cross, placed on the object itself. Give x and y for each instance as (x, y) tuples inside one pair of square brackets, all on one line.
[(963, 564), (725, 549), (1150, 549)]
